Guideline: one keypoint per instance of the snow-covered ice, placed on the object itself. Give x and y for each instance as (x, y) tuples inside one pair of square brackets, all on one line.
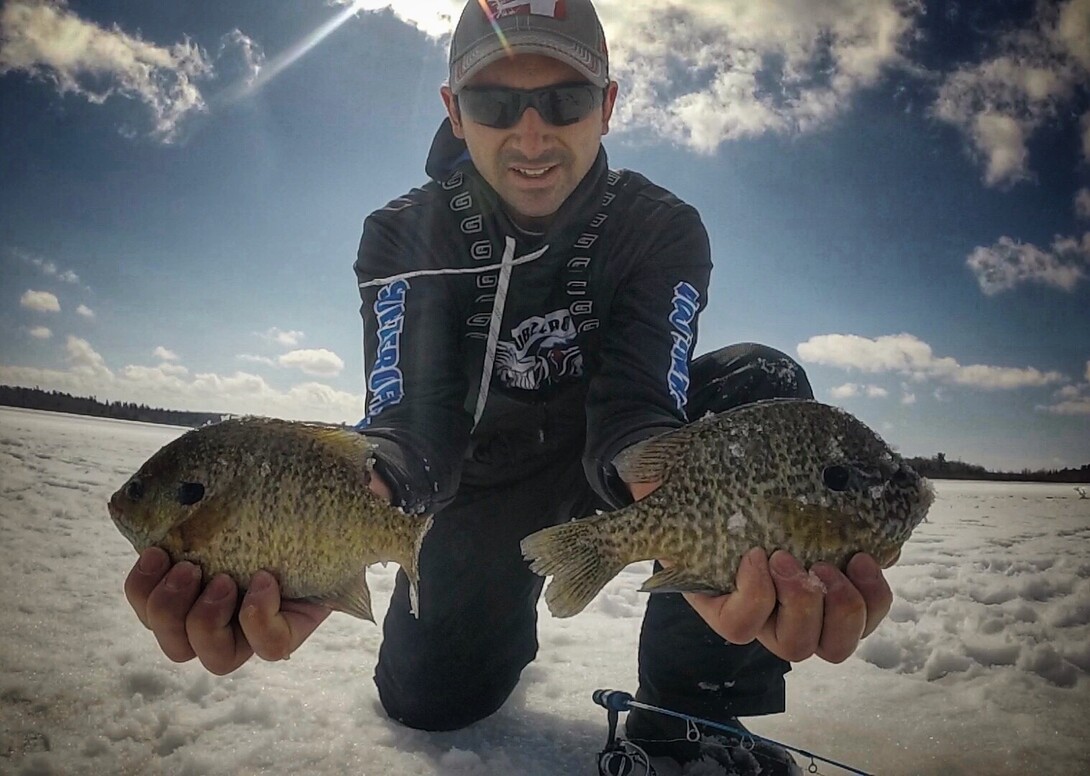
[(981, 667)]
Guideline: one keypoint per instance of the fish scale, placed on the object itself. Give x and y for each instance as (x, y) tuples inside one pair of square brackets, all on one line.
[(785, 474)]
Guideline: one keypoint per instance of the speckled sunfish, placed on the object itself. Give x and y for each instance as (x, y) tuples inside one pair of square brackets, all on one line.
[(780, 474), (257, 493)]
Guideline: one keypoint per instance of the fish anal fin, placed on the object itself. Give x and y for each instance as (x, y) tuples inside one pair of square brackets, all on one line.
[(678, 580), (353, 597)]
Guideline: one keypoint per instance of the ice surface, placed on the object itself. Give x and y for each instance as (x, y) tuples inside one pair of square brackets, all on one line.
[(981, 666)]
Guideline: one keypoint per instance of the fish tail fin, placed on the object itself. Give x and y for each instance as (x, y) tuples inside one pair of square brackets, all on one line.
[(411, 566), (580, 559)]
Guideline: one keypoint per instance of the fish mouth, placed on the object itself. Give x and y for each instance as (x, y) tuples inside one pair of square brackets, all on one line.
[(117, 514)]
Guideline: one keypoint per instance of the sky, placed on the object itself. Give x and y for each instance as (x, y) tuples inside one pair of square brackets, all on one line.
[(981, 667), (897, 194)]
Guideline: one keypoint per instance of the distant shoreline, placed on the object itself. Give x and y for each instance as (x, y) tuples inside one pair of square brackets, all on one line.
[(935, 468)]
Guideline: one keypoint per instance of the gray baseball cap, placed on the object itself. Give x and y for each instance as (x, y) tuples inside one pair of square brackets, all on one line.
[(567, 30)]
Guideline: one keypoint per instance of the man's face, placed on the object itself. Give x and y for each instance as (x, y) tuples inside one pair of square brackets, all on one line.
[(533, 166)]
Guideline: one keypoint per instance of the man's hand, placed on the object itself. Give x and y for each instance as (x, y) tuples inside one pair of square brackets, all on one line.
[(793, 615), (190, 622)]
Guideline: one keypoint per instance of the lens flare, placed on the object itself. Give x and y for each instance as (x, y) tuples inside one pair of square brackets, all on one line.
[(496, 26), (293, 53)]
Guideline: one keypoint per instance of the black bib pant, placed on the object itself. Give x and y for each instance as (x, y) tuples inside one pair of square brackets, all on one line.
[(477, 629)]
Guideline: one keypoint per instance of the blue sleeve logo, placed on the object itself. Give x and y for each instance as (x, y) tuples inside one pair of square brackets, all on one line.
[(682, 318), (386, 383)]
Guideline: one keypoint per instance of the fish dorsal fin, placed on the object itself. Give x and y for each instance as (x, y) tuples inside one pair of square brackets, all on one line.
[(651, 459), (344, 441)]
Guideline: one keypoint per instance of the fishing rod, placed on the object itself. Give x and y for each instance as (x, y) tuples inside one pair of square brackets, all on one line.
[(620, 758)]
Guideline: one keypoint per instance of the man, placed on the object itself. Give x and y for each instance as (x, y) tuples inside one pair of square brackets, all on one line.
[(528, 314)]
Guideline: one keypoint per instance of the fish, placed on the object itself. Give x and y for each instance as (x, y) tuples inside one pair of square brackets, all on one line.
[(292, 498), (792, 474)]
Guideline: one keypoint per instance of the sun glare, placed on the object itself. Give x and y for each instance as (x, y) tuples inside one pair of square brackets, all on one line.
[(495, 25), (297, 50)]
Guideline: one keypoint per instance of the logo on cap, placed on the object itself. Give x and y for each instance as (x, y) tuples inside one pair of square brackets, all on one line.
[(554, 9)]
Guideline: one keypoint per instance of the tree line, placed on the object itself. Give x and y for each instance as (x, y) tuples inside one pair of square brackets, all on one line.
[(56, 401), (936, 467), (939, 468)]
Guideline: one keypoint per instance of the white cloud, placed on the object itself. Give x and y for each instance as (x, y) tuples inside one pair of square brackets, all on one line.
[(40, 301), (40, 332), (850, 390), (165, 354), (85, 361), (253, 359), (171, 386), (906, 355), (1010, 263), (1071, 399), (1034, 75), (45, 266), (47, 40), (700, 74), (908, 398), (85, 311), (1082, 203), (287, 339), (319, 362)]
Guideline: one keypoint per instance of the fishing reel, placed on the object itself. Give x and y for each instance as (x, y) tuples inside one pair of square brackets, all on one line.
[(619, 757)]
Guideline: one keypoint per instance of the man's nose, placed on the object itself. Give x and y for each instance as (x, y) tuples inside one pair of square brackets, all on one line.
[(530, 131)]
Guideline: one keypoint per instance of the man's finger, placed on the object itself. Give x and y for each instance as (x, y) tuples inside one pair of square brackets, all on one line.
[(794, 632), (845, 615), (213, 631), (148, 572), (276, 628), (168, 605), (865, 573), (739, 617)]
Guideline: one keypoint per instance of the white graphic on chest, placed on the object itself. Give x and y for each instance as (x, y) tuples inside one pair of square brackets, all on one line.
[(543, 351)]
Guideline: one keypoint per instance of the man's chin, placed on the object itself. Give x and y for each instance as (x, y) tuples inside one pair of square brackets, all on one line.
[(533, 211)]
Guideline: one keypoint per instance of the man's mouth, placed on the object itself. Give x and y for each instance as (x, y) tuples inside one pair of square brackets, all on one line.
[(534, 172)]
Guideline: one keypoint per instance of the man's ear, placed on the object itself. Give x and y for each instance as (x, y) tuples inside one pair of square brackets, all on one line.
[(451, 104), (607, 105)]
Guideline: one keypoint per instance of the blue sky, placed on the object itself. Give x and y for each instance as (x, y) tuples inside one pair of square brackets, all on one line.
[(897, 193)]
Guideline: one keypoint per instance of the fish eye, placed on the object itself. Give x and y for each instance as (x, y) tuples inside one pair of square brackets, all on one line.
[(837, 478), (134, 490), (189, 493)]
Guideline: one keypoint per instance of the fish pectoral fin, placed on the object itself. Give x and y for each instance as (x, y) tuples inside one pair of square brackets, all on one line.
[(208, 519), (677, 580), (353, 597), (648, 461)]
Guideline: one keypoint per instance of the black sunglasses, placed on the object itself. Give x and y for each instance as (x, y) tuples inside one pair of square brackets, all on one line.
[(501, 108)]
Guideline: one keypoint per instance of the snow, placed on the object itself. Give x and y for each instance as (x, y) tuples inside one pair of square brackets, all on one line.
[(981, 666)]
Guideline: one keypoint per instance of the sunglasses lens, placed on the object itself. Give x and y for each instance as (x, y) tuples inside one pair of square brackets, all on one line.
[(568, 104), (497, 108), (502, 108)]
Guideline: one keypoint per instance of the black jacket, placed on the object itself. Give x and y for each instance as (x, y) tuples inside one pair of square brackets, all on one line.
[(585, 332)]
